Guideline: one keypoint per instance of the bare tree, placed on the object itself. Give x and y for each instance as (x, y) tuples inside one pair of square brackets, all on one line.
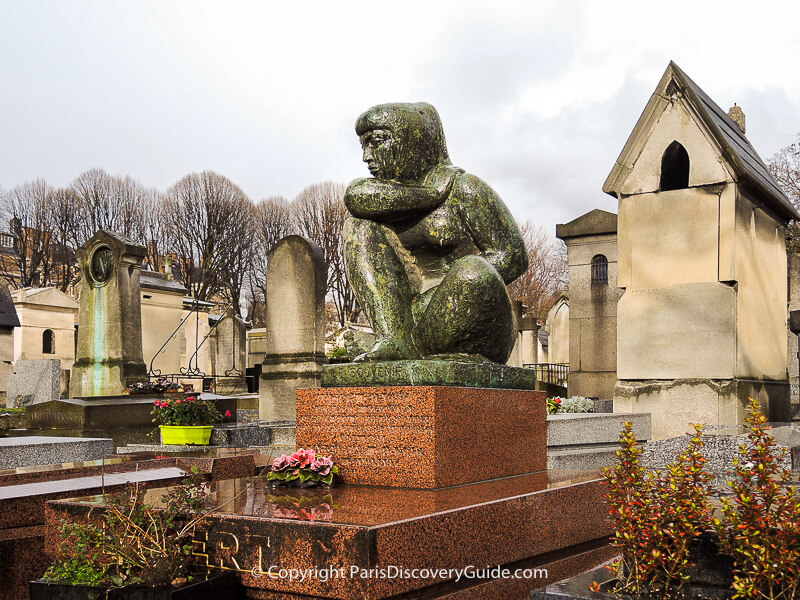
[(211, 221), (541, 284), (273, 222), (785, 168), (155, 228), (319, 214), (110, 203), (67, 220), (28, 262)]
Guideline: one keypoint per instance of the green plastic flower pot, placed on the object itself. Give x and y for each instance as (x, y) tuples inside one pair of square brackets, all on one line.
[(186, 434)]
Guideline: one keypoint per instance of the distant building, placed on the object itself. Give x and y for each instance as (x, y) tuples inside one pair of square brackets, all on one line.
[(46, 325), (591, 241)]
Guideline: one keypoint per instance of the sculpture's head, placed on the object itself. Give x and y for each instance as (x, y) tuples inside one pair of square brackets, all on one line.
[(402, 141)]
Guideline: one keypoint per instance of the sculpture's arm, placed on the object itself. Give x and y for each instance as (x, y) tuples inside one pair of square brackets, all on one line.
[(491, 226), (382, 200)]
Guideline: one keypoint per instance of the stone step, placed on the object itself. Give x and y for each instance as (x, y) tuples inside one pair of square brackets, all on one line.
[(31, 451), (575, 429), (583, 459)]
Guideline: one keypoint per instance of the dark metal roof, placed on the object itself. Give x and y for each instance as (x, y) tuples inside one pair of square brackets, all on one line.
[(734, 144), (8, 312), (153, 280)]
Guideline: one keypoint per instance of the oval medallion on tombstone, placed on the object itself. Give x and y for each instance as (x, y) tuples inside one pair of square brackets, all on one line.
[(102, 264)]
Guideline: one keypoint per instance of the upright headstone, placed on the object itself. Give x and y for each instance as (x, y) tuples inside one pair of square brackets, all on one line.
[(109, 354), (34, 382), (295, 336), (230, 354)]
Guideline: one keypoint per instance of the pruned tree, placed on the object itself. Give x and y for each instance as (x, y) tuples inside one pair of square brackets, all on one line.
[(319, 213), (273, 222), (547, 274), (111, 203), (29, 259), (211, 223), (67, 219)]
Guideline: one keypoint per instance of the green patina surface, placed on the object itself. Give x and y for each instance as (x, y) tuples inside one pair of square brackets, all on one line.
[(430, 248), (429, 372)]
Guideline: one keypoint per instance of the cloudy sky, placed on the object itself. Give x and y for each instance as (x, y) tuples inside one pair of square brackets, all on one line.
[(536, 97)]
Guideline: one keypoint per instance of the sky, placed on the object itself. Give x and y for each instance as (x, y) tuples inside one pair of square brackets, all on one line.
[(537, 98)]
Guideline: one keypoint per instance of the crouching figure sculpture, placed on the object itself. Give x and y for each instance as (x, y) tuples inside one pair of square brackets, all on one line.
[(429, 248)]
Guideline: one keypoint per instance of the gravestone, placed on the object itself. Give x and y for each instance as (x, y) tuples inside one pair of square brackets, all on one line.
[(109, 354), (295, 336), (230, 354), (34, 382)]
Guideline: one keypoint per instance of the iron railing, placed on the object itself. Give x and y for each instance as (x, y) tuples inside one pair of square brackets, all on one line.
[(554, 373)]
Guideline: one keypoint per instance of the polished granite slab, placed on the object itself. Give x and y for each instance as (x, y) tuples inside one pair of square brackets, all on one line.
[(256, 526)]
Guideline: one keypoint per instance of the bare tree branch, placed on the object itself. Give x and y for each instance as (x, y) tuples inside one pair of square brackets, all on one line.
[(541, 284), (319, 213), (211, 221), (26, 209)]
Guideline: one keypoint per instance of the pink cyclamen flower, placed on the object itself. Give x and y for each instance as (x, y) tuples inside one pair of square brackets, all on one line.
[(227, 413), (281, 462), (322, 465)]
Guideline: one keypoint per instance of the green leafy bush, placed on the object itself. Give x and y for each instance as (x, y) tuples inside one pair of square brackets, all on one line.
[(573, 404), (659, 516), (192, 410), (760, 527)]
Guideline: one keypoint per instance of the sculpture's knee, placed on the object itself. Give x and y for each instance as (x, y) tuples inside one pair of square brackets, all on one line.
[(356, 229), (359, 237), (470, 311)]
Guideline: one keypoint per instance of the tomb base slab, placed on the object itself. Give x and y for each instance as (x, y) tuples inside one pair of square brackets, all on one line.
[(365, 542)]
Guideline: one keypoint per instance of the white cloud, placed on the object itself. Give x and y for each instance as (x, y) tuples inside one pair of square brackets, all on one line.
[(536, 97)]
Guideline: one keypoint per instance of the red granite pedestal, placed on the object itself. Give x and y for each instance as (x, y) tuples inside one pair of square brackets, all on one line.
[(424, 436)]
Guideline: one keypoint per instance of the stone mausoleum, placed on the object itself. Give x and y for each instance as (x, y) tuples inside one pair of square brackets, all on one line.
[(702, 261), (591, 241)]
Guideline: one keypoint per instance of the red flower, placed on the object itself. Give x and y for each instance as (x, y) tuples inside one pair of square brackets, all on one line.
[(180, 401), (303, 458), (227, 413)]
